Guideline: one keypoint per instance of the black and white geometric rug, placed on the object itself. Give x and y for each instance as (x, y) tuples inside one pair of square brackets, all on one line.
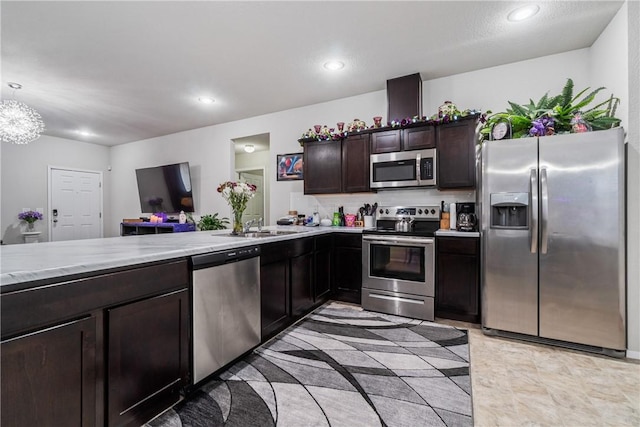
[(341, 366)]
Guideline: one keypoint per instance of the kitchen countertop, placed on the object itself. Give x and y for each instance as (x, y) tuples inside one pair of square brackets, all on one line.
[(22, 263), (454, 233)]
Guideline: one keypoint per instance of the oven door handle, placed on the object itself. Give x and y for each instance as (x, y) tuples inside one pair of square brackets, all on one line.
[(389, 240)]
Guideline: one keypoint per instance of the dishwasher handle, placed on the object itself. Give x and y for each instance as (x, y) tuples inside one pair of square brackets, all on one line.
[(199, 262)]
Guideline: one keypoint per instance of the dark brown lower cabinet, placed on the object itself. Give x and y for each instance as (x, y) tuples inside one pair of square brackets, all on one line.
[(49, 377), (105, 349), (294, 279), (148, 357), (274, 295), (323, 268), (301, 284), (347, 267), (458, 278)]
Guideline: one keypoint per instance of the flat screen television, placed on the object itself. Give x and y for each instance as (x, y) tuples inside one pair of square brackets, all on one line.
[(165, 188)]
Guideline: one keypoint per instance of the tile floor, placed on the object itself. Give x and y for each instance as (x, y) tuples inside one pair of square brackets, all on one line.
[(516, 383)]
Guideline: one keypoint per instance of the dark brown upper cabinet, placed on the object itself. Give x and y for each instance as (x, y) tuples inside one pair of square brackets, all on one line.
[(386, 142), (340, 166), (355, 164), (322, 167), (456, 155), (419, 138)]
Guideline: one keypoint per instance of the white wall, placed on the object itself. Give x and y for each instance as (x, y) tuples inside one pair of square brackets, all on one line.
[(25, 180), (491, 88)]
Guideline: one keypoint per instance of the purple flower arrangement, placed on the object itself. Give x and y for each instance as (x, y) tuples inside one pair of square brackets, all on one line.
[(30, 216), (542, 126)]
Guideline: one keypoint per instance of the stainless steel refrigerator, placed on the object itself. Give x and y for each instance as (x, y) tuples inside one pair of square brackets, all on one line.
[(553, 235)]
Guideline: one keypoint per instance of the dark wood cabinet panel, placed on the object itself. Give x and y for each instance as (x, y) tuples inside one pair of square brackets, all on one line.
[(274, 296), (355, 163), (419, 138), (148, 357), (301, 284), (322, 167), (49, 378), (386, 141), (323, 268), (456, 155), (31, 309), (458, 278), (404, 97), (347, 262)]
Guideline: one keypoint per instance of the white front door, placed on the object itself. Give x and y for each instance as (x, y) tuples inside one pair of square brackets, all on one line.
[(75, 211), (255, 206)]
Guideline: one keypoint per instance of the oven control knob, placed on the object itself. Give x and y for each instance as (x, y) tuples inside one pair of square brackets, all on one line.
[(381, 211), (386, 211), (433, 211), (419, 211)]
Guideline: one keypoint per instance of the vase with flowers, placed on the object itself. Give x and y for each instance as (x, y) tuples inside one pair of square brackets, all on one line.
[(30, 217), (237, 194)]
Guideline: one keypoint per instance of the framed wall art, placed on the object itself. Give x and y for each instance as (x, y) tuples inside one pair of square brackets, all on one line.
[(289, 167)]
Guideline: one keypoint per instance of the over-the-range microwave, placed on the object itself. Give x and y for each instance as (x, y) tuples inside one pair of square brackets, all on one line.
[(404, 169)]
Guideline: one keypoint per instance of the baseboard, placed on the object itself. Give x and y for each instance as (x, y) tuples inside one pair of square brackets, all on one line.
[(633, 354)]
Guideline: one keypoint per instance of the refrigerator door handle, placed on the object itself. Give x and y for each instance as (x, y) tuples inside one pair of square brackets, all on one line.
[(533, 182), (544, 196)]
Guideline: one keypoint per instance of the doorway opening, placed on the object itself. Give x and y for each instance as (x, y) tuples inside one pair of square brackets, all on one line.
[(251, 164)]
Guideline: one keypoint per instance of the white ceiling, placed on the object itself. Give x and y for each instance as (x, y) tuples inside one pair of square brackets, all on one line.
[(127, 71)]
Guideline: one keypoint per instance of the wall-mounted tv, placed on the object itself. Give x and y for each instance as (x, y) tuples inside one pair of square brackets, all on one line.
[(165, 188)]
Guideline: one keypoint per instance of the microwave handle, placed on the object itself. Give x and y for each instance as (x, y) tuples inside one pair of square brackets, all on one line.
[(418, 168)]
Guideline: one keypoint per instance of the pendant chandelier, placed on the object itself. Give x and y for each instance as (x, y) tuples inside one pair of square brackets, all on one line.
[(19, 123)]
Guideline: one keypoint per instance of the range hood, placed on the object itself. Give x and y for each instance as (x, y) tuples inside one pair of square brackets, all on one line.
[(404, 97)]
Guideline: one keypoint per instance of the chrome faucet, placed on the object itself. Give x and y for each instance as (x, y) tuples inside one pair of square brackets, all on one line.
[(248, 224)]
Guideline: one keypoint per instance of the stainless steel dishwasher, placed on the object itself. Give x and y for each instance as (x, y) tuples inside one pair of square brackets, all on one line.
[(226, 308)]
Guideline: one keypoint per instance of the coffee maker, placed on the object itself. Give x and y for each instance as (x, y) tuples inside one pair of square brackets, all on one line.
[(466, 218)]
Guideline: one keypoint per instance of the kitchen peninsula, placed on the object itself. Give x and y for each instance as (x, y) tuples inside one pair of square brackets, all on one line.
[(99, 330)]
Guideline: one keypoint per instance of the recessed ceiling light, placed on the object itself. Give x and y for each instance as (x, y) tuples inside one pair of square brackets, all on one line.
[(522, 13), (14, 85), (249, 148), (206, 100), (334, 65)]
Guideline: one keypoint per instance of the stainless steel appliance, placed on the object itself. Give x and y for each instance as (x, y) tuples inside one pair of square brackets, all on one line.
[(404, 169), (553, 219), (466, 217), (226, 308), (398, 261)]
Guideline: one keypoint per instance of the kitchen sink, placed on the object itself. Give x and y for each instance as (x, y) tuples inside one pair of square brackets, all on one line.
[(263, 233)]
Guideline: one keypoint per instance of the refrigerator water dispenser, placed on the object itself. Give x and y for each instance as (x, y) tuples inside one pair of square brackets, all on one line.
[(510, 210)]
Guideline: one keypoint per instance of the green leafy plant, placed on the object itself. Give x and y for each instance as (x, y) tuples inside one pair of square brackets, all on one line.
[(557, 112), (212, 222)]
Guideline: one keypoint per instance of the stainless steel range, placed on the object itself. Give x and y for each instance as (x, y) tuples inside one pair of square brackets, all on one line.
[(398, 261)]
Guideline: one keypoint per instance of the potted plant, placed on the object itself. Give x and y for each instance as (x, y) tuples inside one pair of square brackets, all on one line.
[(554, 114), (212, 222), (30, 217)]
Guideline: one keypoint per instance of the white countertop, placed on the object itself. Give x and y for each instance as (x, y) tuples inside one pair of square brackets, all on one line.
[(29, 262)]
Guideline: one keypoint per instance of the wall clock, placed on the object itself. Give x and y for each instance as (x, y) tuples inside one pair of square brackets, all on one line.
[(501, 130)]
